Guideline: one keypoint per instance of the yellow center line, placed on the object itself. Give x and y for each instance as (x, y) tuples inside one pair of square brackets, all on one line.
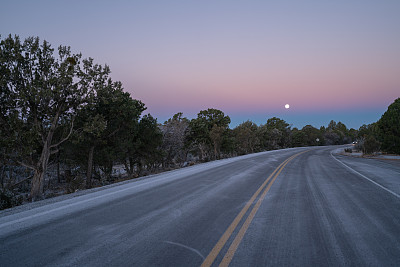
[(235, 244), (221, 242)]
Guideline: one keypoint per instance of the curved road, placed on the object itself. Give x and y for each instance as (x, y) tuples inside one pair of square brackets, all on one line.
[(292, 207)]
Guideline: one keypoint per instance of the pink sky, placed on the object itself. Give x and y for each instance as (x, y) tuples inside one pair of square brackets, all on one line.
[(247, 58)]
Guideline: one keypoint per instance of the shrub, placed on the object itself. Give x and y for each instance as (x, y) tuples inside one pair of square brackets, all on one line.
[(370, 145), (348, 150), (9, 199)]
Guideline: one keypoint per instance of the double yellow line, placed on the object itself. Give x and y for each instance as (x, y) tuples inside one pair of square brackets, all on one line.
[(235, 244)]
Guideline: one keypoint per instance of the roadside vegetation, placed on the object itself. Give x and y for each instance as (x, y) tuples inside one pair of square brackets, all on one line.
[(65, 125), (383, 135)]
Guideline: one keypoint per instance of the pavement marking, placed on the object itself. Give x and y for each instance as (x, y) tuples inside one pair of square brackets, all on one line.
[(235, 244), (369, 179), (222, 241)]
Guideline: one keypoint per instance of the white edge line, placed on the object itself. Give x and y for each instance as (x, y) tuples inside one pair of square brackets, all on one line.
[(365, 177)]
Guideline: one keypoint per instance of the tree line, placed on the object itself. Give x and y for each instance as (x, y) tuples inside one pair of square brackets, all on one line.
[(66, 125)]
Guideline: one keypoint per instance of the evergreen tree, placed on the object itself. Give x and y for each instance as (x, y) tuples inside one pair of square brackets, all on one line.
[(389, 127), (45, 99)]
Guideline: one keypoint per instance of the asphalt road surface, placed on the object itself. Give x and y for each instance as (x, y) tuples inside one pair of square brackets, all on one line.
[(292, 207)]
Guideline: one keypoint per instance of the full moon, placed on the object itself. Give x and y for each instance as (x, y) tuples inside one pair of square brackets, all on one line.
[(287, 106)]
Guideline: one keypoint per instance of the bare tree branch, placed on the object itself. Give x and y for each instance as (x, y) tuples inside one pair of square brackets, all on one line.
[(114, 132), (52, 152), (26, 165), (20, 182), (66, 138)]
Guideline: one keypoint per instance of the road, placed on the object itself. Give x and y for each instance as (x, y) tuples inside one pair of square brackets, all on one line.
[(292, 207)]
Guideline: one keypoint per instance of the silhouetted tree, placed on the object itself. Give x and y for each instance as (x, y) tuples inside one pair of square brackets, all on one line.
[(389, 127), (174, 133), (46, 97), (207, 132)]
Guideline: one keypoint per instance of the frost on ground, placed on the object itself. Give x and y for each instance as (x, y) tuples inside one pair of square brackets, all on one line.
[(126, 185)]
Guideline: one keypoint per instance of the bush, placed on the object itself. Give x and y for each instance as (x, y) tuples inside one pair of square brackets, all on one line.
[(76, 183), (370, 145), (9, 199), (348, 150)]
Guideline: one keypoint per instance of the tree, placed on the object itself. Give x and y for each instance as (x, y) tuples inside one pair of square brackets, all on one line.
[(228, 145), (298, 138), (107, 120), (331, 135), (8, 113), (331, 138), (46, 97), (352, 134), (146, 145), (368, 130), (86, 139), (367, 138), (246, 137), (370, 145), (207, 132), (277, 133), (91, 121), (216, 136), (311, 135), (151, 140), (389, 127), (331, 126), (337, 134), (174, 133)]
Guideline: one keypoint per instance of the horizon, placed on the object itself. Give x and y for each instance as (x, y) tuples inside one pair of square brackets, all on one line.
[(329, 61), (350, 118)]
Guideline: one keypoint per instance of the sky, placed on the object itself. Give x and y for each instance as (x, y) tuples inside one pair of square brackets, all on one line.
[(329, 60)]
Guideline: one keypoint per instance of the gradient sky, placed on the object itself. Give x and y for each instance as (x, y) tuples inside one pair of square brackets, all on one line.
[(330, 60)]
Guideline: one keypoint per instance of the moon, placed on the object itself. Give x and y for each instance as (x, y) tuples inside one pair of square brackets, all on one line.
[(287, 106)]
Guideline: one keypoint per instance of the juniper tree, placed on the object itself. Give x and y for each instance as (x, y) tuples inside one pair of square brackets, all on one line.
[(46, 97)]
